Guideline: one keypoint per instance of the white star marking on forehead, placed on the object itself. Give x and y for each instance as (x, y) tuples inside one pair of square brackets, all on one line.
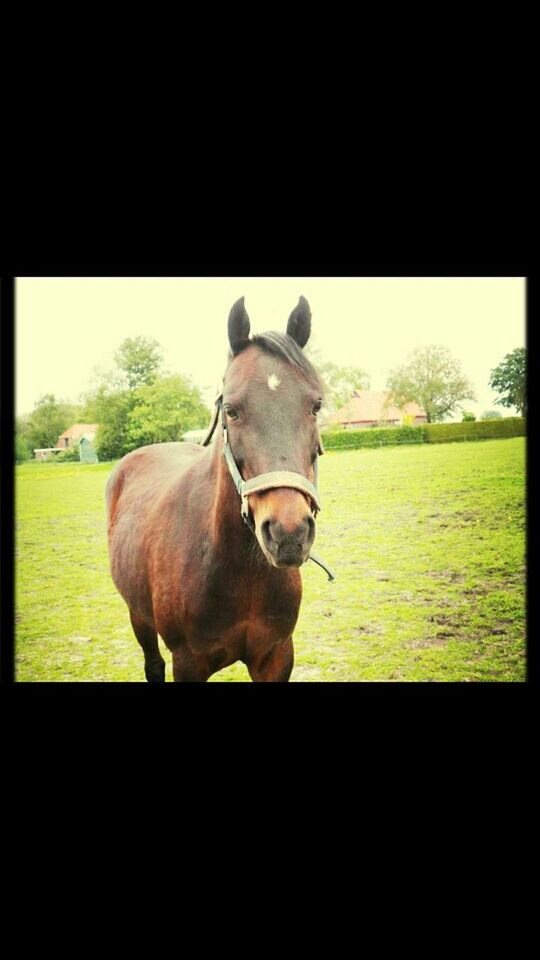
[(273, 381)]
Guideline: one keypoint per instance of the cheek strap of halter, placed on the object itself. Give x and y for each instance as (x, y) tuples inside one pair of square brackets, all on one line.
[(268, 481)]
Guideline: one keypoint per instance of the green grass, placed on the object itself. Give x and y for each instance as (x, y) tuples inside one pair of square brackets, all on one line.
[(427, 544)]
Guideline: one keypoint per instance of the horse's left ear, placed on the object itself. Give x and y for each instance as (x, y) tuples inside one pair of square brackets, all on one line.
[(299, 325)]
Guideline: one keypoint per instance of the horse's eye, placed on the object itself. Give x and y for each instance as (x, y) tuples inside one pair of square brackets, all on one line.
[(316, 408), (231, 413)]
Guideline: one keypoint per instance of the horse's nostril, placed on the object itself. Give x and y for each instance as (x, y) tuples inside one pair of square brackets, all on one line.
[(266, 534), (281, 543)]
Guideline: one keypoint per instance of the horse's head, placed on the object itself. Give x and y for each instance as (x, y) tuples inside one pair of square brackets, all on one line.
[(271, 397)]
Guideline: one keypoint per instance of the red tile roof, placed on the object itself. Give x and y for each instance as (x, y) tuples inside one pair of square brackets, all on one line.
[(77, 431), (373, 405)]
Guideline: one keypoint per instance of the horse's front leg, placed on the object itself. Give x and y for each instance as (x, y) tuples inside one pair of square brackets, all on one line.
[(189, 667), (274, 665)]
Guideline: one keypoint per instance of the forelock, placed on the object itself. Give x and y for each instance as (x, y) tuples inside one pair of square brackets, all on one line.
[(283, 346)]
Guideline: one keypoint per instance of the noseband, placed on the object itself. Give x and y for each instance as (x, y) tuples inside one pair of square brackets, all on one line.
[(265, 481)]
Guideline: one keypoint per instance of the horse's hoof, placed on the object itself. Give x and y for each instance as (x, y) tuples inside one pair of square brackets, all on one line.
[(155, 674)]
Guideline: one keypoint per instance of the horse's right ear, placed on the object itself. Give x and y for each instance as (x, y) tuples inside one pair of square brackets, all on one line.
[(299, 325), (238, 326)]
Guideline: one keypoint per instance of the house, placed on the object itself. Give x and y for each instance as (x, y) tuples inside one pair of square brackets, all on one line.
[(74, 434), (81, 435), (372, 408)]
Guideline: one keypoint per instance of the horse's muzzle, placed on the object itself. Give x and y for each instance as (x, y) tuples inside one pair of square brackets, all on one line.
[(288, 548)]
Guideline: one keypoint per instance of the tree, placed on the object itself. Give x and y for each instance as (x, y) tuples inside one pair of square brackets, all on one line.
[(137, 405), (509, 378), (72, 413), (153, 413), (165, 410), (340, 382), (47, 421), (114, 395), (23, 444), (491, 415), (113, 409), (433, 379), (140, 360)]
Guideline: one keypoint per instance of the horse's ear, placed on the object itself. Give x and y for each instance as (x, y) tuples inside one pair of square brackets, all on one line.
[(299, 325), (238, 326)]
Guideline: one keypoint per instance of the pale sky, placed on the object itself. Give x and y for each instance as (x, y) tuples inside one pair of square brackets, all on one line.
[(65, 327)]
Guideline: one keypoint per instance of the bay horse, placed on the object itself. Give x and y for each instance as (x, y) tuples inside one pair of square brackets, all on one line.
[(218, 583)]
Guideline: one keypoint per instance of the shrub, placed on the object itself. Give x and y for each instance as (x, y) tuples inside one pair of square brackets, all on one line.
[(22, 453), (491, 415), (68, 455), (468, 417)]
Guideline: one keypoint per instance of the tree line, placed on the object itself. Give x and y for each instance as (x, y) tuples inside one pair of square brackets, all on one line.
[(433, 379), (139, 403), (136, 404)]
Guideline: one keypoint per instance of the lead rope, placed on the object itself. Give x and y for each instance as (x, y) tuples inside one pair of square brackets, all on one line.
[(238, 482)]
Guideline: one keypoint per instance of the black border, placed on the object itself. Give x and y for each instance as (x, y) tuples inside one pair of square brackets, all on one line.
[(7, 521), (326, 707)]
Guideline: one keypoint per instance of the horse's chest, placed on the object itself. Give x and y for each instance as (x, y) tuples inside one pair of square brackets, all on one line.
[(239, 615)]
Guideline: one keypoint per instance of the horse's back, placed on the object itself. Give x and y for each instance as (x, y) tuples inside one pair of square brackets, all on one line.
[(145, 471)]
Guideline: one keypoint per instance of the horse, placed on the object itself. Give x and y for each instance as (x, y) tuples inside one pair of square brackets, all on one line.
[(217, 583)]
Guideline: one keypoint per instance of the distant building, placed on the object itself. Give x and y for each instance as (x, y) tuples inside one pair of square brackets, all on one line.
[(81, 435), (194, 436), (87, 453), (372, 408), (74, 434), (41, 453)]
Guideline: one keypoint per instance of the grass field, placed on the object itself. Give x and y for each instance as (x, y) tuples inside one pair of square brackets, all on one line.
[(427, 544)]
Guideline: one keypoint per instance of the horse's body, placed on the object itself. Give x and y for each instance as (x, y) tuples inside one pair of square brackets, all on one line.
[(186, 564)]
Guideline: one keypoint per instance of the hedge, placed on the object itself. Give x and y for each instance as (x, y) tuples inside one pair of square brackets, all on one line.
[(371, 437), (427, 433), (477, 430)]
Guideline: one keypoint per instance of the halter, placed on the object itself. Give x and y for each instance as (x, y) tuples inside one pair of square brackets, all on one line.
[(265, 481)]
